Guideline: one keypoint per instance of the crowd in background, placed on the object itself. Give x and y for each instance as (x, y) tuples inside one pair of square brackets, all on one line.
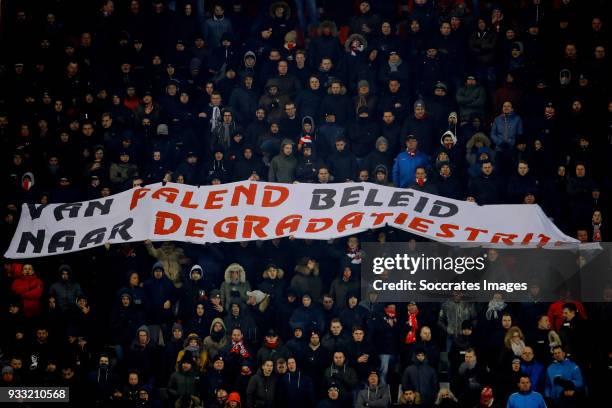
[(486, 101)]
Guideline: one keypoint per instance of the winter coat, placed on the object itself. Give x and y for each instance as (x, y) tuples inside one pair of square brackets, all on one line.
[(308, 318), (362, 135), (298, 388), (234, 291), (308, 103), (405, 166), (452, 314), (246, 323), (29, 289), (481, 45), (124, 322), (261, 391), (471, 100), (214, 28), (379, 396), (274, 287), (169, 255), (282, 166), (158, 291), (306, 281), (326, 46), (343, 165), (211, 346), (344, 376), (65, 292), (182, 384), (422, 378), (506, 128), (487, 189), (567, 370)]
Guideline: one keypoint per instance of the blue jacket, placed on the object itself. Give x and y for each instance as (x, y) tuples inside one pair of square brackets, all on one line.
[(536, 374), (566, 369), (505, 130), (532, 399), (405, 165)]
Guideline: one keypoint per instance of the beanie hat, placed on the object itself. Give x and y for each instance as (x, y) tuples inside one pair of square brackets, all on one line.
[(257, 294), (7, 370), (233, 397), (162, 129), (363, 82), (381, 140)]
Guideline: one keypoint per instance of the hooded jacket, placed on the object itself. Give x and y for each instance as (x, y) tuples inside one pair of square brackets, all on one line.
[(194, 291), (379, 396), (65, 292), (158, 291), (274, 287), (232, 291), (308, 166), (306, 280), (282, 166), (212, 343), (326, 46)]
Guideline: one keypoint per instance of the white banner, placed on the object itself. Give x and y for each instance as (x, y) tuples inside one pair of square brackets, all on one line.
[(247, 210)]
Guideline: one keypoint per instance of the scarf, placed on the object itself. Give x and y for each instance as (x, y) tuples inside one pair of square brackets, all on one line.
[(240, 349), (272, 345), (216, 116), (393, 66), (596, 232), (517, 348), (216, 336), (414, 326), (495, 306), (421, 181)]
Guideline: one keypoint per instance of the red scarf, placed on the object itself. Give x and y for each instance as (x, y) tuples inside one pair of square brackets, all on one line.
[(272, 344), (421, 182), (414, 324), (239, 348)]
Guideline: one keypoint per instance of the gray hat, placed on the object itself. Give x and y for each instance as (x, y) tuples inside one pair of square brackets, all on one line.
[(162, 129), (363, 82)]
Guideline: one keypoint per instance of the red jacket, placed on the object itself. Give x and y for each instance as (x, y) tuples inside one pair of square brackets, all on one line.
[(30, 289), (555, 312)]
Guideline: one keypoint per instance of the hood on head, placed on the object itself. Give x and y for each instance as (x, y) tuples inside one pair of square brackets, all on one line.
[(284, 143), (279, 275), (31, 176), (478, 136), (302, 268), (158, 265), (217, 320), (451, 134), (284, 5), (194, 268), (241, 272), (144, 328), (349, 40), (249, 54), (67, 268), (333, 27), (193, 336)]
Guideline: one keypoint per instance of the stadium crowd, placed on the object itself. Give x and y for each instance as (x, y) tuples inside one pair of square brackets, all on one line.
[(488, 101)]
